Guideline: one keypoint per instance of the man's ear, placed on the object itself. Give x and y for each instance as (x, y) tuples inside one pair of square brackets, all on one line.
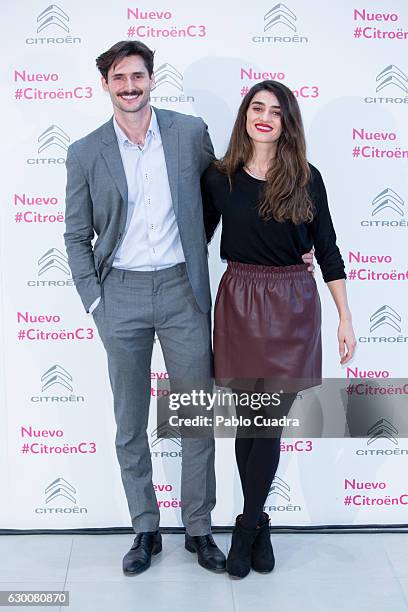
[(104, 83), (152, 81)]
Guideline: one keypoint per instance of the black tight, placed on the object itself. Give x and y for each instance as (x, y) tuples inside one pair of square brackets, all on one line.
[(257, 459)]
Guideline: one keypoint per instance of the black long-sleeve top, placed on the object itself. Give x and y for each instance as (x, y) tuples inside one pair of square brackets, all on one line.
[(247, 238)]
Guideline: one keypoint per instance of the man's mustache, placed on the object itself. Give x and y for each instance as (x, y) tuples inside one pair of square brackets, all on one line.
[(134, 92)]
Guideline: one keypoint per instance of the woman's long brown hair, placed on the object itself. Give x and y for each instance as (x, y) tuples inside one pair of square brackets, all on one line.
[(285, 194)]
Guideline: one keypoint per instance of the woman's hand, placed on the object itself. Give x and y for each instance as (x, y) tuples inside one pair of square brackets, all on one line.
[(308, 259), (345, 332), (347, 340)]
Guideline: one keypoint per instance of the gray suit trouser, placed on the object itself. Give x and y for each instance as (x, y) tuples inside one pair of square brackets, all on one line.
[(133, 307)]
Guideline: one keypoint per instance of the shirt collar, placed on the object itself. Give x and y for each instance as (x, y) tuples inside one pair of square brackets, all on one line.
[(152, 130)]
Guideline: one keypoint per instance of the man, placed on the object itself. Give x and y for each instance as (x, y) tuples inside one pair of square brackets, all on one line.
[(135, 181)]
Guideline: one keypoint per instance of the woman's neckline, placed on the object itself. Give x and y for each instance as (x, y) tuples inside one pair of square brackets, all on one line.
[(251, 176)]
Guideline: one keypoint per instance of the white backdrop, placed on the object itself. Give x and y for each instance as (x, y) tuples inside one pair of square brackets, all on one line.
[(348, 66)]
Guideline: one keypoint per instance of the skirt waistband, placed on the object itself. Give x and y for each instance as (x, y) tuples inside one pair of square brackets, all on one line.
[(257, 271)]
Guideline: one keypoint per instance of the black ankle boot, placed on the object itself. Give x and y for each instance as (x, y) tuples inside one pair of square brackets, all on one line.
[(239, 556), (263, 559)]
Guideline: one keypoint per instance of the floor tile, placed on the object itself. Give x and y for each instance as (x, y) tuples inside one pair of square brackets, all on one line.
[(34, 557), (395, 545), (183, 596), (404, 587), (324, 555), (322, 595)]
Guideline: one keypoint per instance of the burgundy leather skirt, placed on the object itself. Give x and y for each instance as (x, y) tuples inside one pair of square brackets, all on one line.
[(267, 325)]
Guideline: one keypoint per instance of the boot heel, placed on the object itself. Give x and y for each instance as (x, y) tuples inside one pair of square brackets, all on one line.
[(263, 559)]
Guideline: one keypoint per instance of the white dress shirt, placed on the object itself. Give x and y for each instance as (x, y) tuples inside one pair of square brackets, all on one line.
[(151, 239)]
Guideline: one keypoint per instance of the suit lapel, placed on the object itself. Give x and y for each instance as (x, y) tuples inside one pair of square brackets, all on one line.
[(170, 141), (111, 154)]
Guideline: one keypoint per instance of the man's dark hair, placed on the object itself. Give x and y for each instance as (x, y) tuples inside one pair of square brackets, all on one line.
[(122, 49)]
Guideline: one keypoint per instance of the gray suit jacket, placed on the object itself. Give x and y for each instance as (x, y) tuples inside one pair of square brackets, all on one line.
[(96, 201)]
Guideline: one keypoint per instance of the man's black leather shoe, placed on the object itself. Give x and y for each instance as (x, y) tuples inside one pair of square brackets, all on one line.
[(209, 555), (139, 557)]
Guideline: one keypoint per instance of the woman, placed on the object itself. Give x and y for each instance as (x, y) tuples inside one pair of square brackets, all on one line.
[(267, 320)]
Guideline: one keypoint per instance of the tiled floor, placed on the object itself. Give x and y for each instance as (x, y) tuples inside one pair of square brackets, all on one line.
[(319, 572)]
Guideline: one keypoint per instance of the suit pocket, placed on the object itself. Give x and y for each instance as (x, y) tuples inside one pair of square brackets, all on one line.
[(98, 267)]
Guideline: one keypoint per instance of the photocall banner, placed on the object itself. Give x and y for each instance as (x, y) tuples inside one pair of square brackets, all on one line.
[(347, 63)]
